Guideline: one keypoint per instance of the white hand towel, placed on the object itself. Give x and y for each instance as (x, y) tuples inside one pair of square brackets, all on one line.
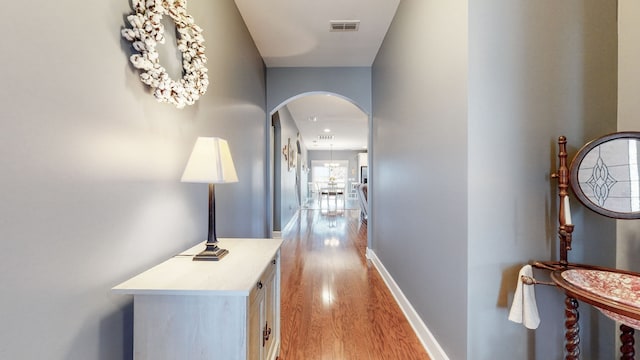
[(524, 309)]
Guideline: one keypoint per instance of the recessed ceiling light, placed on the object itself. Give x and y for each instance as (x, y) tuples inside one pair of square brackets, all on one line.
[(313, 118), (327, 130)]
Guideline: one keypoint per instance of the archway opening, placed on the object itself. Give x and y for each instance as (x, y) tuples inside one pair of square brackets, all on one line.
[(310, 133)]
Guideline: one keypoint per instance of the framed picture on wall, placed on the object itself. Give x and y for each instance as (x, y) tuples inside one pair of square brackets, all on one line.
[(285, 154), (291, 161)]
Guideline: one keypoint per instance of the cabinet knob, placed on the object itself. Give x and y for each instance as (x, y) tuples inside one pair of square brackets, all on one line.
[(259, 284)]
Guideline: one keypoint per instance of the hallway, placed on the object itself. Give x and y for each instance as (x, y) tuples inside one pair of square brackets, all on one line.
[(335, 305)]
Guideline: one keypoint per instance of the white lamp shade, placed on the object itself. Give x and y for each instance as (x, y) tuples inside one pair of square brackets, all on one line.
[(210, 162)]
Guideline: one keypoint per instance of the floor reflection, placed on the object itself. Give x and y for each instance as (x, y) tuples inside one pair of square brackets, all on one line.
[(334, 303)]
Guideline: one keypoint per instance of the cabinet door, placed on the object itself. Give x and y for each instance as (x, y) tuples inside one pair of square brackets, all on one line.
[(264, 305), (272, 307), (256, 311)]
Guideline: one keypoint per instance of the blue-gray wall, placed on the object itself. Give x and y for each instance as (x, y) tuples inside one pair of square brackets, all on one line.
[(420, 156), (352, 83), (287, 193), (537, 70), (90, 189), (470, 97)]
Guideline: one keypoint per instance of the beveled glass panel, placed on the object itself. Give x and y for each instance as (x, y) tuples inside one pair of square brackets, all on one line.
[(605, 175)]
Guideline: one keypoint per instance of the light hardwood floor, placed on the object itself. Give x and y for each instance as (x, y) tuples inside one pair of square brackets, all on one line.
[(335, 305)]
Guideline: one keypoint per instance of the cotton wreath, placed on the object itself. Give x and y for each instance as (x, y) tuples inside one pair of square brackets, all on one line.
[(147, 31)]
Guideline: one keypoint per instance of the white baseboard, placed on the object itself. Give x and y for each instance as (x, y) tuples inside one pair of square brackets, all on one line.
[(424, 335)]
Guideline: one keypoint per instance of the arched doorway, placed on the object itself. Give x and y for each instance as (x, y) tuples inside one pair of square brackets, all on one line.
[(305, 128)]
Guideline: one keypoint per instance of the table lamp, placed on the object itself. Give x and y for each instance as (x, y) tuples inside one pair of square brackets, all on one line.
[(210, 162)]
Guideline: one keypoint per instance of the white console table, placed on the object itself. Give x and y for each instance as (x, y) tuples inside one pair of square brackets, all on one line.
[(205, 310)]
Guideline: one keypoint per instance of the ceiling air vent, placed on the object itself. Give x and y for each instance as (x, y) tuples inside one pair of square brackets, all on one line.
[(344, 25), (326, 137)]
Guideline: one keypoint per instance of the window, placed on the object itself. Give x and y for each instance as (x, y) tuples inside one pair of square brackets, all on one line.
[(325, 172)]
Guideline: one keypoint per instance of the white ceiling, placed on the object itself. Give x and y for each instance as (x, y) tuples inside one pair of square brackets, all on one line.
[(348, 124), (296, 33)]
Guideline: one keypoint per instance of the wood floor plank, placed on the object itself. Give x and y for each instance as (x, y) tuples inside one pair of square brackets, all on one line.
[(335, 305)]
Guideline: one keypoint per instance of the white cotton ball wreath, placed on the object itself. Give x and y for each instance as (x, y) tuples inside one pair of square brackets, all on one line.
[(147, 31)]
